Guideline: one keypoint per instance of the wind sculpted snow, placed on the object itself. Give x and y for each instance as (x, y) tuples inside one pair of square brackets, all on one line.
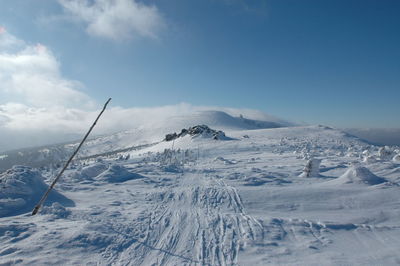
[(200, 201), (21, 188)]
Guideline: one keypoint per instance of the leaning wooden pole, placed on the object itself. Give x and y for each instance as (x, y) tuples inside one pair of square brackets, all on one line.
[(43, 199)]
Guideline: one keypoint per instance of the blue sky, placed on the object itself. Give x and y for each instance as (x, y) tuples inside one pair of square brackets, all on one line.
[(328, 62)]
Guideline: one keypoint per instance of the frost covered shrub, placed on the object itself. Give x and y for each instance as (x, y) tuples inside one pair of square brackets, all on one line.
[(177, 157), (56, 211), (385, 153), (369, 159), (312, 168)]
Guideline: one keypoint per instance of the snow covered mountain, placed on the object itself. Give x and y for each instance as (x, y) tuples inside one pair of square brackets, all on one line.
[(135, 199), (146, 134)]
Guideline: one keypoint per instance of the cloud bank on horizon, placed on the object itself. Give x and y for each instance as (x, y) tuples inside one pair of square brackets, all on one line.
[(45, 107)]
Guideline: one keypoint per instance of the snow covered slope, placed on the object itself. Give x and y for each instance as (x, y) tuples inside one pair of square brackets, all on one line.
[(235, 201), (147, 133)]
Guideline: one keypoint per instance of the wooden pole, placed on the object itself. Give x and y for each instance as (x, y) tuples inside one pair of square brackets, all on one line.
[(43, 199)]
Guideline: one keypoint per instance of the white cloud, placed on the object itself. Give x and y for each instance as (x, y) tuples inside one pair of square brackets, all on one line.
[(116, 19), (31, 74), (51, 125), (43, 100), (8, 42), (49, 108)]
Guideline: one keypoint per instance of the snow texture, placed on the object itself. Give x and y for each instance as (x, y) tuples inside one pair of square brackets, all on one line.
[(21, 188), (136, 200)]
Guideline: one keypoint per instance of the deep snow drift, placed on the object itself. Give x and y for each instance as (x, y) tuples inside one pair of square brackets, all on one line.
[(21, 188), (359, 174), (202, 201)]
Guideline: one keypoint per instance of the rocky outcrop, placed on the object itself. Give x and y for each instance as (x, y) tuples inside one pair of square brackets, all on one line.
[(199, 130)]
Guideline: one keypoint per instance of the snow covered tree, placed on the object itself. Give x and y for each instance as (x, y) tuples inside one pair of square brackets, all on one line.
[(312, 168)]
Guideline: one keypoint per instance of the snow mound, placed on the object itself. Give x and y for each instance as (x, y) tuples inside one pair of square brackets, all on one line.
[(56, 211), (369, 159), (361, 175), (396, 158), (199, 130), (225, 161), (117, 174), (92, 171), (21, 188)]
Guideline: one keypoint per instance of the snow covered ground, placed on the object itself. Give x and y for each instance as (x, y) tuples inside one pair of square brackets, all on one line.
[(243, 200)]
